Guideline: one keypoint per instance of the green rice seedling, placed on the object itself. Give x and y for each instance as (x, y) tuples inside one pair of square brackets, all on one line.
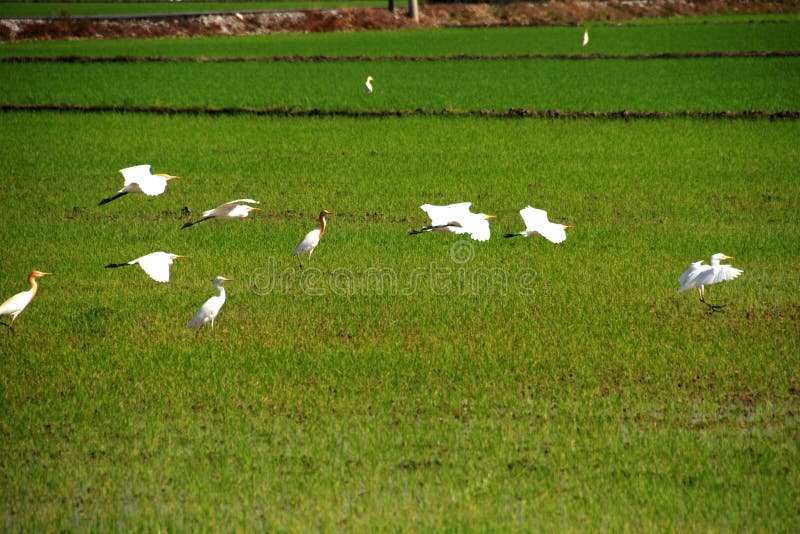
[(724, 84), (422, 382)]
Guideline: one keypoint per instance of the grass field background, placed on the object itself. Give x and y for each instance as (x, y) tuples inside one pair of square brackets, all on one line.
[(420, 382)]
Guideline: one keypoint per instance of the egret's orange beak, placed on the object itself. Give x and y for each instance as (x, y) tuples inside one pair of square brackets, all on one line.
[(179, 256), (255, 209), (567, 227)]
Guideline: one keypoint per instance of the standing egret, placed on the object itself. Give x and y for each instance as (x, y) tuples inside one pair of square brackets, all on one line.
[(699, 275), (14, 305), (456, 219), (311, 240), (537, 223), (235, 209), (155, 264), (138, 179), (210, 308), (368, 84), (585, 36)]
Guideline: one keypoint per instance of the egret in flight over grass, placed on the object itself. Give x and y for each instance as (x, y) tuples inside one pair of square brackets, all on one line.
[(537, 223), (14, 305), (138, 179), (585, 36), (311, 240), (368, 84), (210, 308), (155, 264), (235, 209), (456, 219), (699, 275)]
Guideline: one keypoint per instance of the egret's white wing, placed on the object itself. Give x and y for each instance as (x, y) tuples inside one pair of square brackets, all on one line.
[(156, 265), (533, 218), (720, 273), (554, 233), (153, 185), (445, 215), (134, 174), (309, 242), (15, 304), (477, 226), (689, 277), (204, 314), (228, 206)]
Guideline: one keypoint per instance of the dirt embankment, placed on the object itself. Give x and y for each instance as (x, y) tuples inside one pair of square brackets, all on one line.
[(569, 12)]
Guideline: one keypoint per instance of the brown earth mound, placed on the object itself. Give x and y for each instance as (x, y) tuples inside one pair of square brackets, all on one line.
[(569, 12)]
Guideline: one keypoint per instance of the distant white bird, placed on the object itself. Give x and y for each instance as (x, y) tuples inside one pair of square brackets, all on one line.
[(139, 180), (235, 209), (585, 37), (14, 305), (699, 275), (239, 16), (155, 264), (368, 84), (456, 219), (537, 223), (210, 308), (311, 240)]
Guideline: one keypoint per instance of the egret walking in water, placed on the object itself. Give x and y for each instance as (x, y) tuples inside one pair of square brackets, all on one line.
[(537, 223), (456, 219), (368, 84), (311, 240), (235, 209), (138, 179), (155, 264), (210, 308), (14, 305), (698, 275)]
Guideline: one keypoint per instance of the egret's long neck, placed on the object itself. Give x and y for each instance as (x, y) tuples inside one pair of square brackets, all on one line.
[(714, 262), (323, 223), (34, 286), (220, 289)]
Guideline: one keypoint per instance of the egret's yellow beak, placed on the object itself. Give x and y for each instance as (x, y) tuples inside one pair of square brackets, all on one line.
[(567, 227), (179, 256), (255, 209), (729, 258), (491, 216)]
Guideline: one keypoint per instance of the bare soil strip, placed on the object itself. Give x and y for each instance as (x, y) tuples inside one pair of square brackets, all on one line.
[(340, 59), (511, 113)]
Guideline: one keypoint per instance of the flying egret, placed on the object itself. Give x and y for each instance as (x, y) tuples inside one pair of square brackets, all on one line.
[(311, 240), (14, 305), (537, 223), (585, 36), (235, 209), (699, 275), (210, 308), (368, 84), (138, 179), (456, 219), (155, 264)]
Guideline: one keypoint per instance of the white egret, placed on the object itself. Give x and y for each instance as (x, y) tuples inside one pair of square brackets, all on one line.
[(456, 219), (155, 264), (311, 240), (699, 275), (585, 37), (210, 308), (537, 223), (368, 84), (235, 209), (138, 179), (14, 305)]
